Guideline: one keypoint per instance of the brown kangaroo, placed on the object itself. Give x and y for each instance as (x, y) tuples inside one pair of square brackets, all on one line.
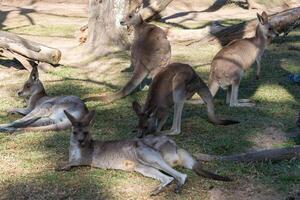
[(148, 156), (173, 86), (150, 52), (43, 113), (229, 64)]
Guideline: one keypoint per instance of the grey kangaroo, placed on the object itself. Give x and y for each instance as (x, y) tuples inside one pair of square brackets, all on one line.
[(229, 64), (150, 52), (172, 86), (43, 113), (148, 156)]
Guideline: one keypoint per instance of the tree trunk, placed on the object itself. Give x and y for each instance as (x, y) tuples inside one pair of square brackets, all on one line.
[(104, 29)]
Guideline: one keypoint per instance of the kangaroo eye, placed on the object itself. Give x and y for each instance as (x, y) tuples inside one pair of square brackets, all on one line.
[(27, 86), (130, 16), (270, 28), (74, 132)]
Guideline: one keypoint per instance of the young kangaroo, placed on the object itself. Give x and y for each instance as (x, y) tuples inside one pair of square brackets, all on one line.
[(229, 64), (148, 156), (173, 86), (150, 52), (43, 113)]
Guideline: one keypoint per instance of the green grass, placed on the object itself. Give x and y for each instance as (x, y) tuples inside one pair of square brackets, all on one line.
[(64, 30), (27, 161)]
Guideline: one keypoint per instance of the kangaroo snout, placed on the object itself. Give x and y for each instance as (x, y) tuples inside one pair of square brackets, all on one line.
[(19, 93), (122, 23)]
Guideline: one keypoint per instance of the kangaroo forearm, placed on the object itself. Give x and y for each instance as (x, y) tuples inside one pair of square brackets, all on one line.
[(22, 111)]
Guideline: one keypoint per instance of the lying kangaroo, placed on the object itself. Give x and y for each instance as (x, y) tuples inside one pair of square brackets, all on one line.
[(150, 52), (229, 64), (43, 113), (172, 86), (148, 156)]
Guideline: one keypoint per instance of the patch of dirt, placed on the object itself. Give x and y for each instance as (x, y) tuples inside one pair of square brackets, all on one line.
[(269, 138), (245, 191)]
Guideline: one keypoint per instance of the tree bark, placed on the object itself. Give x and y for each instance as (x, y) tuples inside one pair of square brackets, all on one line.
[(104, 29), (262, 155), (13, 44)]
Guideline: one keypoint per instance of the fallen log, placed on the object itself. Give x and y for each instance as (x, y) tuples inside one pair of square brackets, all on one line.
[(283, 22), (15, 46), (261, 155)]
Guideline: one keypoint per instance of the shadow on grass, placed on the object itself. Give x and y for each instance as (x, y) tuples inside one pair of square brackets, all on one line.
[(53, 185)]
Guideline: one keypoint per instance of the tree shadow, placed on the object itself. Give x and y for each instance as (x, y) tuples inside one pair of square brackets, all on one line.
[(23, 11)]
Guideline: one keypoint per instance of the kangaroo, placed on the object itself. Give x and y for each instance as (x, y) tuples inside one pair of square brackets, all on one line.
[(148, 156), (229, 64), (150, 52), (173, 86), (43, 113)]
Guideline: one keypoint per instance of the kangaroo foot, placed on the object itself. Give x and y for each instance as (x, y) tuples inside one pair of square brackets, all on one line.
[(244, 101), (242, 105), (180, 183), (7, 129), (161, 187), (171, 132)]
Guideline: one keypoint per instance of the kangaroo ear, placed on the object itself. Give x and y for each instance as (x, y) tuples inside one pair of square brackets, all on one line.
[(259, 18), (88, 118), (70, 117), (136, 107), (34, 74), (264, 17)]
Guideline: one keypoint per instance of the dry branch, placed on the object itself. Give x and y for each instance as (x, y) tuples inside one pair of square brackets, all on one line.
[(283, 22), (29, 49), (261, 155)]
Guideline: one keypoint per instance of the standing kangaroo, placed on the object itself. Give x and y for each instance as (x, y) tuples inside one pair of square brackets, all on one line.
[(148, 156), (229, 64), (43, 113), (150, 52), (173, 86)]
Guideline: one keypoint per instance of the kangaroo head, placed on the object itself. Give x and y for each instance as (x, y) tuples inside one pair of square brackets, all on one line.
[(264, 27), (33, 85), (131, 19), (80, 128), (147, 122)]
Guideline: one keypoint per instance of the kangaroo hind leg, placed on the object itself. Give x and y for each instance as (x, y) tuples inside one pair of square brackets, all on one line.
[(179, 97), (234, 101), (153, 158)]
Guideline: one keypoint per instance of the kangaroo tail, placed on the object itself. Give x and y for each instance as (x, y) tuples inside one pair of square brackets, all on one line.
[(207, 97), (201, 172), (137, 77)]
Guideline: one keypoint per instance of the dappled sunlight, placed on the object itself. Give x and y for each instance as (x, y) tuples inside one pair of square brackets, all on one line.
[(274, 93)]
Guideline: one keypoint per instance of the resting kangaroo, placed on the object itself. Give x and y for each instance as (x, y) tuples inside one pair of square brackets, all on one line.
[(229, 64), (172, 86), (150, 52), (43, 113), (148, 156)]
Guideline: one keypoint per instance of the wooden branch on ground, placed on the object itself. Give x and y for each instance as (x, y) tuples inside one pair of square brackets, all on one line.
[(154, 8), (283, 22), (12, 45), (261, 155)]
